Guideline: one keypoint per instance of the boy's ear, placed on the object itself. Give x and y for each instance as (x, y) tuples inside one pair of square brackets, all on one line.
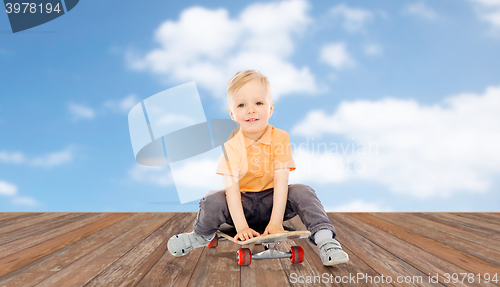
[(230, 114), (271, 110)]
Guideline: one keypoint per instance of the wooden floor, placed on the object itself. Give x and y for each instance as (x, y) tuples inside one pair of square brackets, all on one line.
[(129, 249)]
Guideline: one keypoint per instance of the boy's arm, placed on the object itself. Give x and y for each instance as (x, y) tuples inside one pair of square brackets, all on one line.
[(279, 201), (233, 197)]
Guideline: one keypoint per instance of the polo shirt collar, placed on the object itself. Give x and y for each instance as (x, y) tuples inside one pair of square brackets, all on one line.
[(266, 138)]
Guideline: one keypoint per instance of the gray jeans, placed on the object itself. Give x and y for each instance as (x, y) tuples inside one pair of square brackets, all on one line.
[(257, 207)]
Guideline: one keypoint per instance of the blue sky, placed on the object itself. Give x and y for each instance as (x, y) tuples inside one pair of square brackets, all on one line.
[(418, 80)]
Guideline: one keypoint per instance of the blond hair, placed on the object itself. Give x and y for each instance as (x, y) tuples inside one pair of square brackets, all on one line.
[(243, 77)]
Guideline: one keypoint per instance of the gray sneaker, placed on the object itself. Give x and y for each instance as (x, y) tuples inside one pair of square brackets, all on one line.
[(331, 252), (180, 244)]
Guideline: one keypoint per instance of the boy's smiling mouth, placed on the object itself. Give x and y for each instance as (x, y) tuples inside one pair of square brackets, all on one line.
[(252, 120)]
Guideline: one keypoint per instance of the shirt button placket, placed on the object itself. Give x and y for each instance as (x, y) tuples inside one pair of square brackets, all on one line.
[(260, 173)]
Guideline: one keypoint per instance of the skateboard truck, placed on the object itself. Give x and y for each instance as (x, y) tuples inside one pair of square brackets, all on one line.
[(244, 255), (271, 253)]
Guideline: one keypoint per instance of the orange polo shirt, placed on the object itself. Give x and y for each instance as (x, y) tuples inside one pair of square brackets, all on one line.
[(254, 162)]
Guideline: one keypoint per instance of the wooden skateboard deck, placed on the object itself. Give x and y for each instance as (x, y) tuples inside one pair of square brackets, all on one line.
[(289, 234)]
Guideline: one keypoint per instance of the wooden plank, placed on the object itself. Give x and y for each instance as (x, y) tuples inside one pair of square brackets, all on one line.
[(17, 217), (378, 257), (442, 234), (42, 226), (154, 266), (447, 219), (481, 240), (312, 269), (129, 269), (217, 267), (342, 272), (41, 236), (308, 272), (6, 215), (27, 256), (454, 256), (418, 258), (266, 272), (493, 217), (88, 267), (484, 220), (168, 268), (183, 278), (31, 222), (58, 260)]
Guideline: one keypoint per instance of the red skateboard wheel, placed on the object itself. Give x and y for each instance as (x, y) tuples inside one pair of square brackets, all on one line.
[(244, 256), (297, 254), (214, 242)]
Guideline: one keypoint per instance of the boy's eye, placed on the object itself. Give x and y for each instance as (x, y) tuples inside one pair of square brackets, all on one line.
[(260, 103), (241, 105)]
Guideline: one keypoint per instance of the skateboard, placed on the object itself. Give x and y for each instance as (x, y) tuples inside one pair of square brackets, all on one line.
[(244, 256)]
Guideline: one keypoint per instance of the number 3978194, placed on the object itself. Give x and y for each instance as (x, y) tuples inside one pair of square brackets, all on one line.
[(32, 8)]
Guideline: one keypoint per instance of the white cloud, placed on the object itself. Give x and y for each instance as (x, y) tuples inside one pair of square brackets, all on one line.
[(152, 175), (12, 157), (489, 11), (420, 9), (358, 206), (48, 160), (79, 111), (161, 176), (8, 189), (320, 167), (205, 180), (373, 49), (354, 18), (336, 55), (208, 46), (425, 151), (122, 106), (54, 158), (25, 200)]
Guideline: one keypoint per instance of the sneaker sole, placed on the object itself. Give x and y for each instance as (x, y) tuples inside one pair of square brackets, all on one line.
[(335, 262)]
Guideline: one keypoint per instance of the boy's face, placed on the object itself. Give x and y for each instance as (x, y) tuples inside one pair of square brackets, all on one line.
[(251, 109)]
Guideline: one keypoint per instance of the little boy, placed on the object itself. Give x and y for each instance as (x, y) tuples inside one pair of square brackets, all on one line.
[(256, 162)]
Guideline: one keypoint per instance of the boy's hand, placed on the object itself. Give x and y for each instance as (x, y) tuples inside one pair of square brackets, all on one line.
[(245, 234), (273, 228)]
